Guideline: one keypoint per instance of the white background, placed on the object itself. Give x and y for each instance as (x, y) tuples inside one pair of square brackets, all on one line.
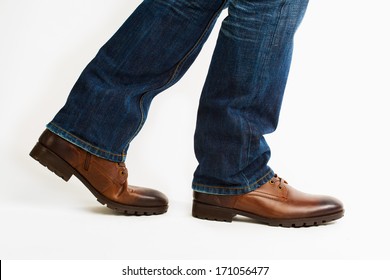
[(333, 138)]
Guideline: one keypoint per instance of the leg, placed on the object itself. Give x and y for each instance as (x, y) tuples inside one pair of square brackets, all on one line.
[(242, 95), (240, 103), (108, 105), (150, 52)]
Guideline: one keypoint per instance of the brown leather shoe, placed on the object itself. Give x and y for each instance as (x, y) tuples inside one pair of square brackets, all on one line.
[(275, 203), (106, 180)]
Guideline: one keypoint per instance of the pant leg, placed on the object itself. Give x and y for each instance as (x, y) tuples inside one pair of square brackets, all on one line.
[(150, 52), (242, 95)]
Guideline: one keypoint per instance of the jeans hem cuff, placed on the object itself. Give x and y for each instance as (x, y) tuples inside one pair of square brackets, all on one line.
[(85, 145), (233, 190)]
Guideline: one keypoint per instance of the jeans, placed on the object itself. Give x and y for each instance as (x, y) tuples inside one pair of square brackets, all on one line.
[(240, 101)]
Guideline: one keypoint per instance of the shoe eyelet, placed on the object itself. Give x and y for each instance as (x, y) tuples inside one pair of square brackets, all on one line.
[(272, 182)]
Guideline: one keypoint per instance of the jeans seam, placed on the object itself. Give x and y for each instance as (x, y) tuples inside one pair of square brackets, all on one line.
[(283, 4), (142, 121), (245, 178), (180, 64), (175, 72), (268, 50), (250, 141)]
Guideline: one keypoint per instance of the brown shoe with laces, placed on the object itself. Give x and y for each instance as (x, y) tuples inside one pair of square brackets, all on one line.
[(275, 203), (106, 180)]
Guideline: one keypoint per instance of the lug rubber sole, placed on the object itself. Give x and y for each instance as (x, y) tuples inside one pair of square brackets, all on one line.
[(216, 213), (63, 169)]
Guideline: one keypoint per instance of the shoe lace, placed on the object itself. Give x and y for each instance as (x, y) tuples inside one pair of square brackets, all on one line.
[(279, 181)]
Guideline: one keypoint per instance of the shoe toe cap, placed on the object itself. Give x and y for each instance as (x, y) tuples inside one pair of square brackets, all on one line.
[(150, 197)]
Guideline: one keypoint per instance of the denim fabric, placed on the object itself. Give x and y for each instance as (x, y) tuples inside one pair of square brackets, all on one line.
[(152, 50)]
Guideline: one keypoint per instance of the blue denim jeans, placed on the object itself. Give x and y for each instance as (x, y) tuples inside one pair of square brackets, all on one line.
[(152, 50)]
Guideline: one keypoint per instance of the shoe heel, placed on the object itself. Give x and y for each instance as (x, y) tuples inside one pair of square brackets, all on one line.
[(53, 162), (211, 212)]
